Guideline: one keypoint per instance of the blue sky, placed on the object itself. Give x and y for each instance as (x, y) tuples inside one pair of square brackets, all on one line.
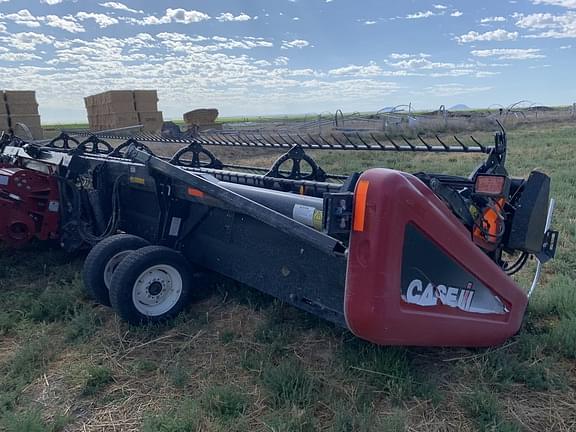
[(258, 57)]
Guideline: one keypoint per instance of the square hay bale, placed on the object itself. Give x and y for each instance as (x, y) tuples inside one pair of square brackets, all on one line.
[(112, 121), (99, 110), (203, 116), (123, 119), (90, 101), (2, 103), (111, 102), (146, 100), (23, 109), (116, 97), (92, 120), (32, 121), (151, 121), (119, 107), (4, 123), (20, 97), (94, 110)]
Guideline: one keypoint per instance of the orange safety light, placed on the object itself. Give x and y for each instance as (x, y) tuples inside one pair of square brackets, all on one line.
[(197, 193), (360, 205), (492, 185)]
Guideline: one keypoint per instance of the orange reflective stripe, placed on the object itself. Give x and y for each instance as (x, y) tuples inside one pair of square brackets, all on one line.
[(360, 205)]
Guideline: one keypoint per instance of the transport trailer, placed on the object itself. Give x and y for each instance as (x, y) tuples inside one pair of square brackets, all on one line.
[(399, 259)]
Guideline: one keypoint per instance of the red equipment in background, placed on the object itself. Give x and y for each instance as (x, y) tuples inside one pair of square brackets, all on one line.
[(29, 205)]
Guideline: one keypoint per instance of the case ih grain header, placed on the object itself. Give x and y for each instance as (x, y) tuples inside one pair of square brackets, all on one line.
[(397, 258)]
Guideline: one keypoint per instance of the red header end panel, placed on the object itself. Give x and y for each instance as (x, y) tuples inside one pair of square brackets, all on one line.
[(29, 206), (414, 275)]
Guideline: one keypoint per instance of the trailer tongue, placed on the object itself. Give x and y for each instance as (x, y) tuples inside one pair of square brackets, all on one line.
[(398, 258)]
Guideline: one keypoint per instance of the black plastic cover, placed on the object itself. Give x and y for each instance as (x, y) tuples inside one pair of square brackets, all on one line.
[(529, 221)]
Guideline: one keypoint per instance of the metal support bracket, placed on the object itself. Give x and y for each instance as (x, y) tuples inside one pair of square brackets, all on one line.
[(296, 155), (197, 151)]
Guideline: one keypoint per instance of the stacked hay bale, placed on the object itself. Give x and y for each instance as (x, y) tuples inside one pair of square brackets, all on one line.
[(204, 118), (20, 107), (146, 103), (122, 108), (4, 119), (111, 110)]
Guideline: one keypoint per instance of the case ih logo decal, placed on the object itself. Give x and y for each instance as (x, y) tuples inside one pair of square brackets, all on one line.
[(431, 278), (429, 295)]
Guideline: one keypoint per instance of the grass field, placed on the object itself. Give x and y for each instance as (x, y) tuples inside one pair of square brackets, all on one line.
[(240, 361)]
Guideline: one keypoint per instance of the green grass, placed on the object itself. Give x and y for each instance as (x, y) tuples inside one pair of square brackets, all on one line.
[(238, 360), (32, 421), (485, 410), (182, 416), (98, 378), (289, 384), (225, 403)]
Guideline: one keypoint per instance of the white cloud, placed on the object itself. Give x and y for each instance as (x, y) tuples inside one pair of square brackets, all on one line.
[(369, 22), (510, 53), (22, 17), (2, 28), (119, 6), (363, 71), (102, 20), (419, 15), (67, 23), (422, 65), (546, 25), (371, 70), (403, 56), (456, 14), (51, 2), (230, 17), (440, 6), (180, 37), (186, 17), (563, 47), (179, 15), (297, 43), (281, 61), (16, 57), (491, 36), (421, 62), (182, 43), (492, 19), (26, 41), (570, 4), (25, 18), (398, 56)]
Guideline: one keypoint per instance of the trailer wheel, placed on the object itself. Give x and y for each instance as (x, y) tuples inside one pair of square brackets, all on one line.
[(103, 260), (151, 284)]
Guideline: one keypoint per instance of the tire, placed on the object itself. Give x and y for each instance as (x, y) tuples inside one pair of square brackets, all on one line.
[(103, 260), (151, 284)]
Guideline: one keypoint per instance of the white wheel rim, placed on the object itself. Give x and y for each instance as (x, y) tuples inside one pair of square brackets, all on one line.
[(111, 266), (157, 290)]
